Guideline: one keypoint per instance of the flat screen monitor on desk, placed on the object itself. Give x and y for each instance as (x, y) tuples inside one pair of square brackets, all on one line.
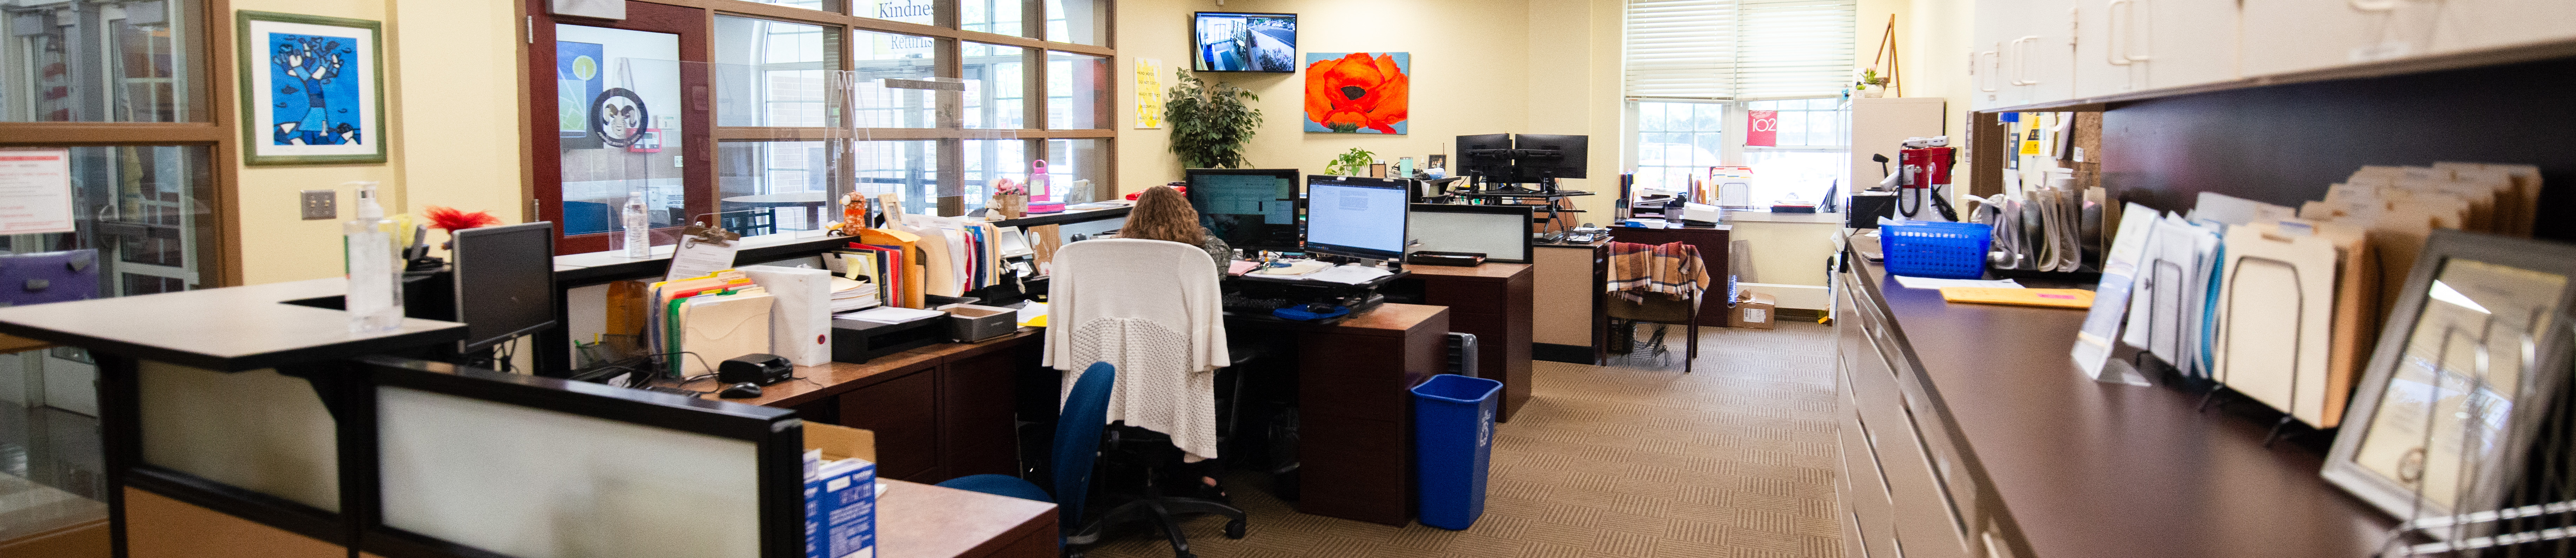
[(1500, 232), (505, 282), (1248, 208), (1354, 216), (1551, 155)]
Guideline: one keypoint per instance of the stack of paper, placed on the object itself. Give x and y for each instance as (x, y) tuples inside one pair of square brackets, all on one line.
[(852, 294), (891, 315)]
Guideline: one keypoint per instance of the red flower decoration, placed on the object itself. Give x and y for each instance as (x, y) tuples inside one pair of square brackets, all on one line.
[(1357, 91), (451, 220)]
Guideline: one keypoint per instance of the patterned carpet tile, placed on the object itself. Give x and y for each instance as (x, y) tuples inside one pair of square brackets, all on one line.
[(1636, 459)]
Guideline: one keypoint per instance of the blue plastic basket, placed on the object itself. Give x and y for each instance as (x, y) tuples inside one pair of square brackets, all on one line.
[(1453, 437), (1936, 249)]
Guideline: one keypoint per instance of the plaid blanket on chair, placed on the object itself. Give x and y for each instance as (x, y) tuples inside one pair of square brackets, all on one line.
[(1673, 270)]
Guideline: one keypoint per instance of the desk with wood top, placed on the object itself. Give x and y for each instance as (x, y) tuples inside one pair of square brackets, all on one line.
[(1493, 302), (947, 410)]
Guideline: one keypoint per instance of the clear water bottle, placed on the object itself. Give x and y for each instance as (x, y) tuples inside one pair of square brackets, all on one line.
[(375, 297)]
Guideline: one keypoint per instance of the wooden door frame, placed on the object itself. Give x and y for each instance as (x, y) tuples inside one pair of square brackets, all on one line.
[(697, 142)]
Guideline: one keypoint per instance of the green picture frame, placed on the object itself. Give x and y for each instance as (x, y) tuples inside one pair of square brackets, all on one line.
[(312, 89)]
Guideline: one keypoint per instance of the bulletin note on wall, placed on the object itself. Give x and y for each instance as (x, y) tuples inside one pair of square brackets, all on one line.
[(1149, 94), (35, 191)]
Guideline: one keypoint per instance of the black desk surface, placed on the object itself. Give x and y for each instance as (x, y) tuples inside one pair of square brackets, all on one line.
[(2098, 470), (228, 329)]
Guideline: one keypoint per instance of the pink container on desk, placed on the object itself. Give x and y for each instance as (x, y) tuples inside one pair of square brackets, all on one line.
[(1044, 207)]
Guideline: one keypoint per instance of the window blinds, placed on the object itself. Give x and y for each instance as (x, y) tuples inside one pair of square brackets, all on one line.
[(1738, 49)]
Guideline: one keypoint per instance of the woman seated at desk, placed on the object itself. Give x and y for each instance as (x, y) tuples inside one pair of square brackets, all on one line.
[(1163, 213)]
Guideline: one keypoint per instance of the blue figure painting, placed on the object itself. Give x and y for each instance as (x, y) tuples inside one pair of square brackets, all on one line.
[(313, 106)]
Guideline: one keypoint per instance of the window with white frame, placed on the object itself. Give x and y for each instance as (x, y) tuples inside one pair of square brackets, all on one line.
[(1677, 141), (1807, 156)]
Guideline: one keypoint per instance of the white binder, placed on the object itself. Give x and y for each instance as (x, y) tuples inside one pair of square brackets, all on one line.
[(800, 324)]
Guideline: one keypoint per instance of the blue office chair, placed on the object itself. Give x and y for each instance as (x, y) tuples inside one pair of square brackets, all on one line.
[(1077, 444)]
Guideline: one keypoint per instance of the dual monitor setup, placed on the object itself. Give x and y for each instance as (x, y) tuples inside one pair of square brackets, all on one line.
[(1374, 218), (1502, 162)]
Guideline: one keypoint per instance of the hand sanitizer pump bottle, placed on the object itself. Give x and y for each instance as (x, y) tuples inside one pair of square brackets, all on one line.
[(639, 243), (375, 278)]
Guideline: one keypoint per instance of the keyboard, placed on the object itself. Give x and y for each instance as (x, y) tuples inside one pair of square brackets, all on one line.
[(1240, 303)]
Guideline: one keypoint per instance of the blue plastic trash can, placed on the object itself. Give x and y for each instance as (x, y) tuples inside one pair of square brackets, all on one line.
[(1453, 438)]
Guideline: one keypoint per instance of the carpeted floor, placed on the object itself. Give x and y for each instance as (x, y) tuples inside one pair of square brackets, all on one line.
[(1634, 459)]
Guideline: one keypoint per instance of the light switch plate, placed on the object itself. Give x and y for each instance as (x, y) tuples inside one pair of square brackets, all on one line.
[(319, 204)]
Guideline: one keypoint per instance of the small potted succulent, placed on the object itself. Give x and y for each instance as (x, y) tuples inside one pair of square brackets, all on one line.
[(1871, 84)]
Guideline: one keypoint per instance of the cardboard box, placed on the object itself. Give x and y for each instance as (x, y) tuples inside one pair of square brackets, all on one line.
[(840, 492), (1755, 310)]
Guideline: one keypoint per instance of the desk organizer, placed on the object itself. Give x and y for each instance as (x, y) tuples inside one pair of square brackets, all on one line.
[(1936, 249)]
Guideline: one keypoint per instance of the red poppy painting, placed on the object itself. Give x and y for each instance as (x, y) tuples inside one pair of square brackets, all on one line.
[(1359, 92)]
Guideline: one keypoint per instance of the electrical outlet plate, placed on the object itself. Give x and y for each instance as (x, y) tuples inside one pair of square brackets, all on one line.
[(319, 204)]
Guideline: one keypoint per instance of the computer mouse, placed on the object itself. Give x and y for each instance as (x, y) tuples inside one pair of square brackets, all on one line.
[(1319, 308), (745, 390)]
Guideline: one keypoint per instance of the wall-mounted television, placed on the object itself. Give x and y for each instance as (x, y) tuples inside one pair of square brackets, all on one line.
[(1243, 42)]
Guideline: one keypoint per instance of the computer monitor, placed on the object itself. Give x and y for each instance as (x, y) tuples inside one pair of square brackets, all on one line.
[(1355, 216), (505, 282), (1485, 155), (1550, 155), (1247, 208), (1500, 232)]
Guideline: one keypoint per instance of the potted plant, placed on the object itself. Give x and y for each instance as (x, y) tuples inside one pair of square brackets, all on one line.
[(1871, 84), (1210, 124), (1351, 163)]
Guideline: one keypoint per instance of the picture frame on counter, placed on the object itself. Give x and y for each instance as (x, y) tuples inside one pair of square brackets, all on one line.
[(2467, 366)]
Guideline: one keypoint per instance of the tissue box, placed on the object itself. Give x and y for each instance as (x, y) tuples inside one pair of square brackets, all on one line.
[(1045, 207), (841, 510), (840, 494)]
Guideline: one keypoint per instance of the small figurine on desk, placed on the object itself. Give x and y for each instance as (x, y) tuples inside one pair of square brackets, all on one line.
[(854, 214)]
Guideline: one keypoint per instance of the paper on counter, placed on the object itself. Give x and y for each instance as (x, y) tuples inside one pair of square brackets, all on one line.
[(891, 315), (1349, 274), (1930, 283), (1032, 313)]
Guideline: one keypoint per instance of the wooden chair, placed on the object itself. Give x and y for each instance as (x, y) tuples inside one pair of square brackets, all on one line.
[(1663, 309)]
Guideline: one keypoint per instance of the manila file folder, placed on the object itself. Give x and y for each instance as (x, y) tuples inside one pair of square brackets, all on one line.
[(722, 327), (2275, 313)]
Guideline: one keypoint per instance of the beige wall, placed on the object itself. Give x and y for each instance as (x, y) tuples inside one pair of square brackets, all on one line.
[(451, 83), (1479, 67)]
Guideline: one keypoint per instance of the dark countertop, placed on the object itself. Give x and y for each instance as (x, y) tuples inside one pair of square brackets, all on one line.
[(228, 329), (2093, 470)]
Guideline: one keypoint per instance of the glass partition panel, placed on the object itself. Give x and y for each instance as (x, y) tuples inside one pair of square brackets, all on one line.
[(256, 430), (771, 73), (996, 91), (992, 16), (886, 75), (1077, 90), (992, 160), (1081, 22), (536, 483), (112, 61), (907, 11), (1078, 170), (619, 120), (769, 187), (908, 168)]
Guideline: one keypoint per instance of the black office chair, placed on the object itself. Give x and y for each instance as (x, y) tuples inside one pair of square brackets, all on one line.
[(1079, 434)]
